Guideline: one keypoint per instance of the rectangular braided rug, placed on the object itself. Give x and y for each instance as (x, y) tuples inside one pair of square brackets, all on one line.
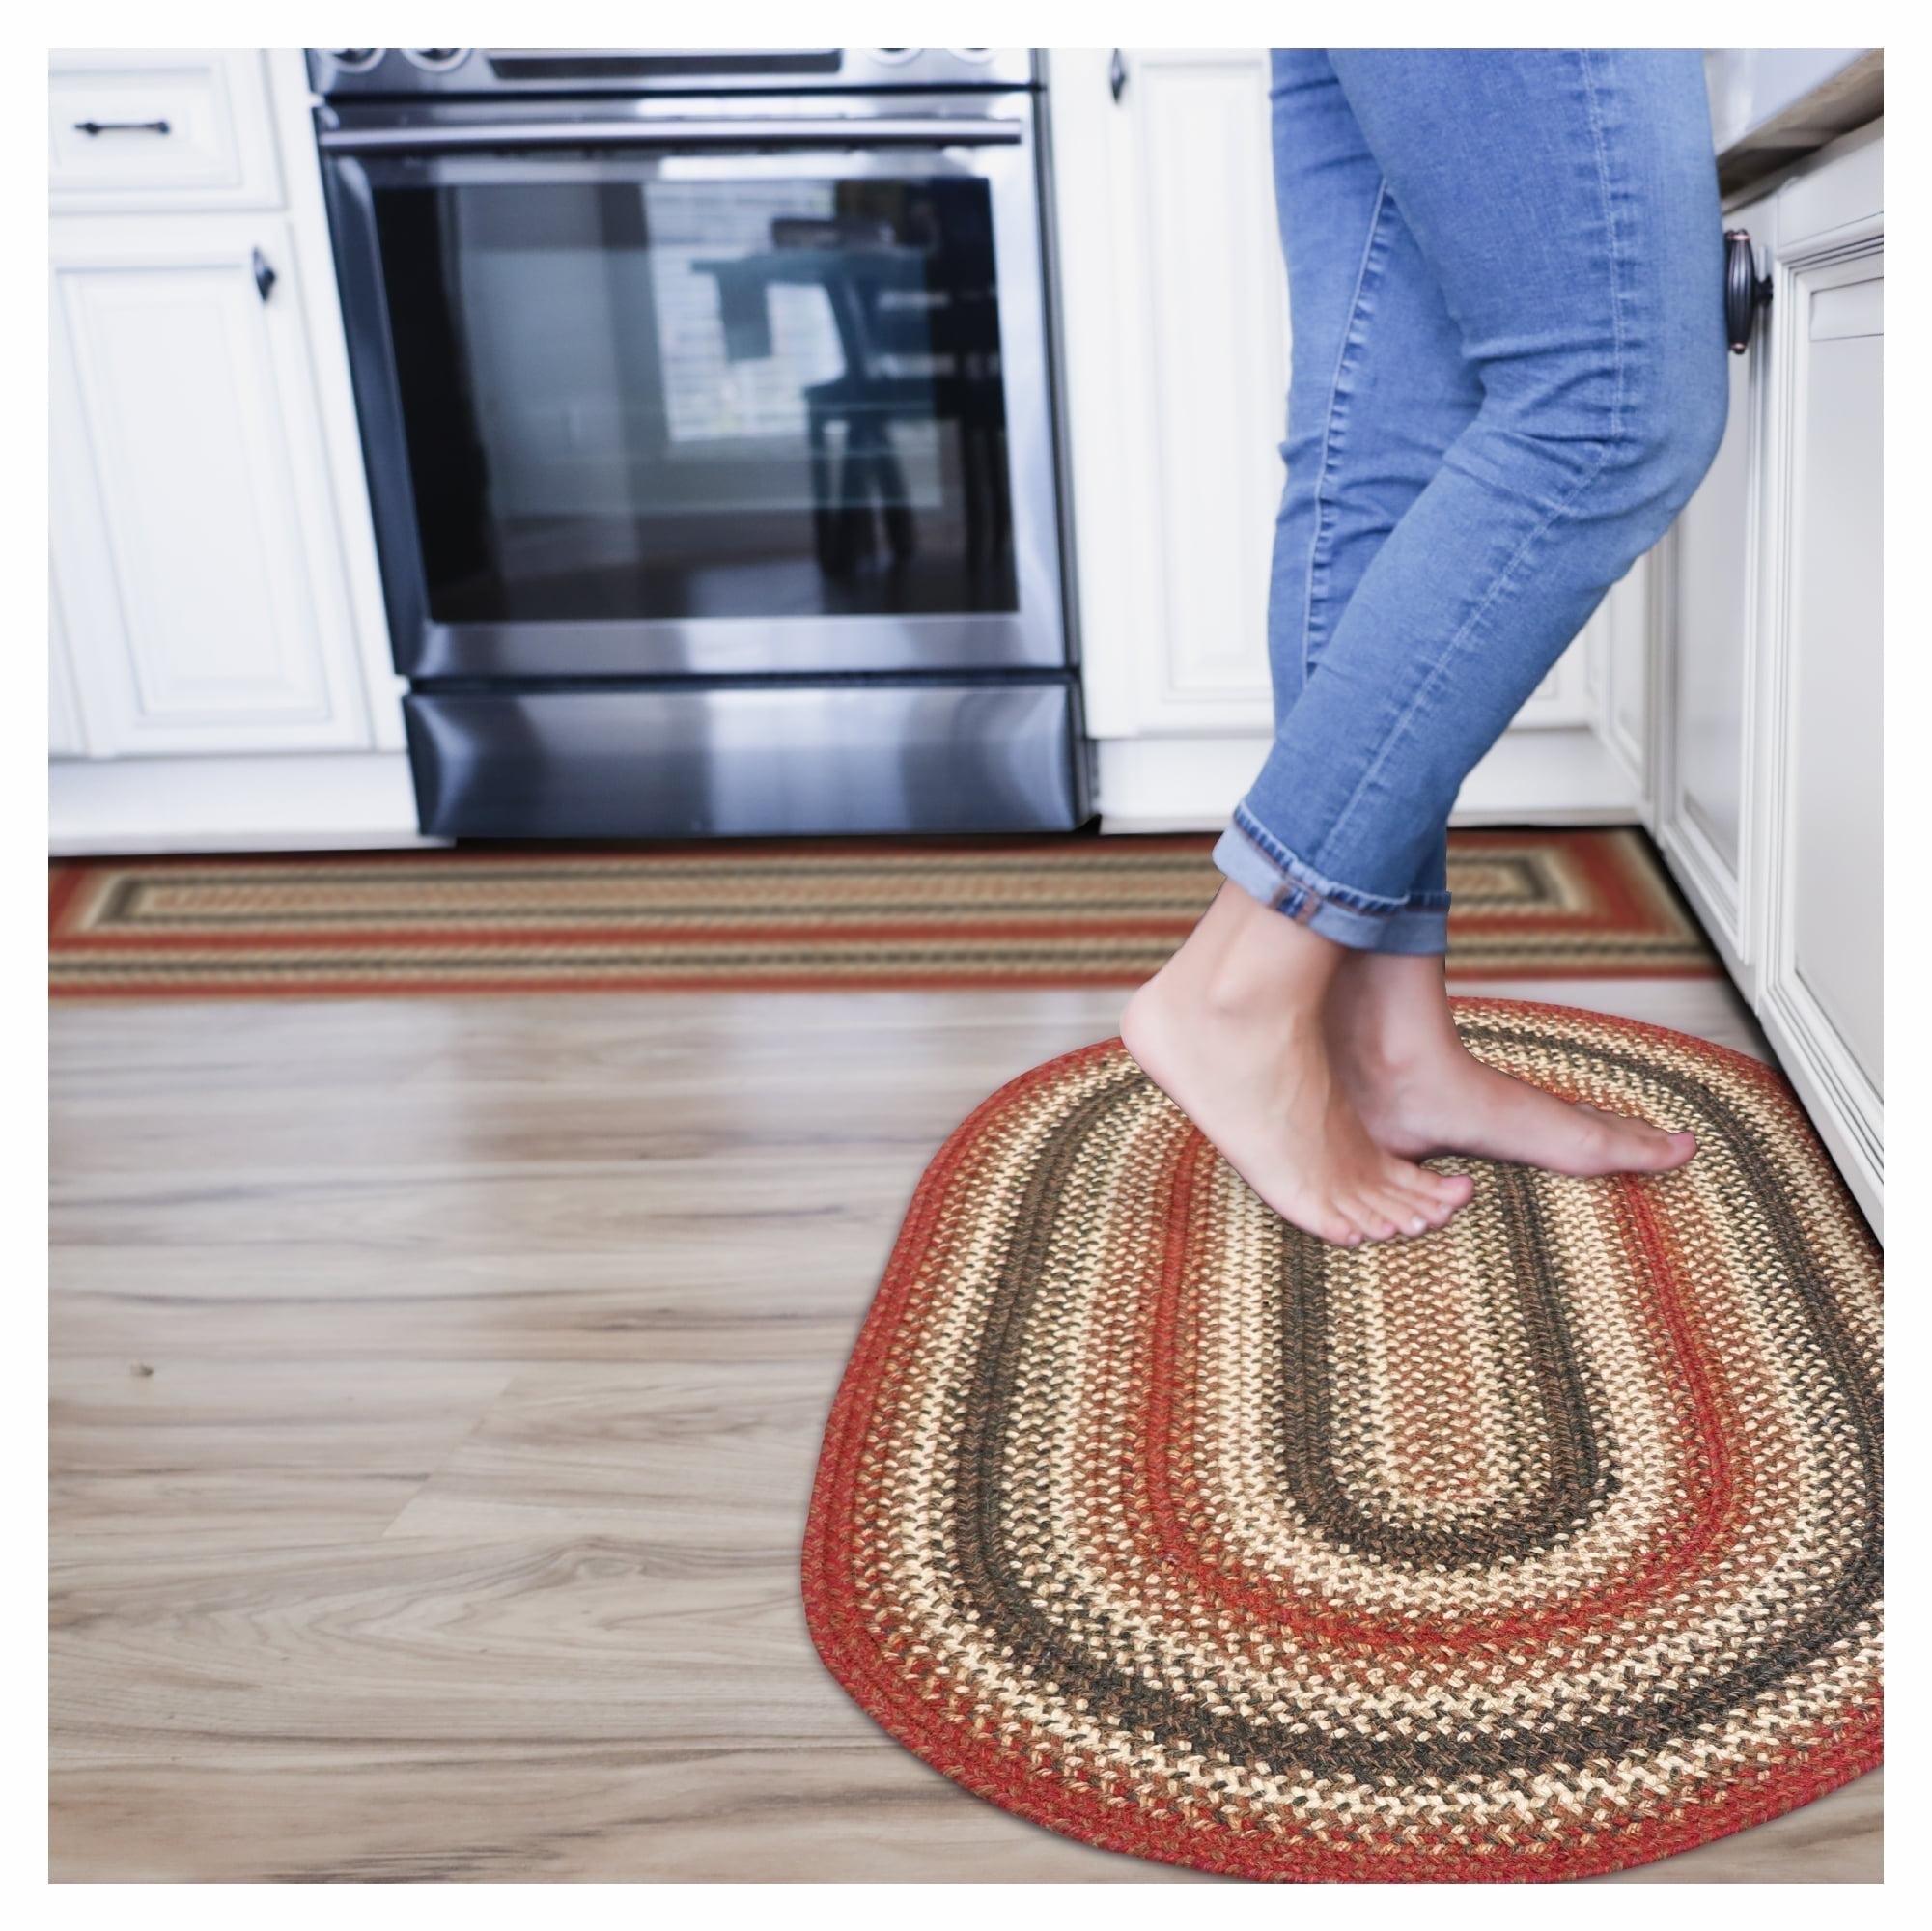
[(794, 915)]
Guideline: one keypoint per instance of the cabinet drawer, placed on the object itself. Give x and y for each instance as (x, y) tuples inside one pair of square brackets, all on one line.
[(176, 129)]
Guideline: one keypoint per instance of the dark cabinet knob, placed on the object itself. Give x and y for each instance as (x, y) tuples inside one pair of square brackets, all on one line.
[(1746, 291), (264, 275), (1116, 75)]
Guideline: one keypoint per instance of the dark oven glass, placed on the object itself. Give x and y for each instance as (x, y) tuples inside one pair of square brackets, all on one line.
[(637, 392)]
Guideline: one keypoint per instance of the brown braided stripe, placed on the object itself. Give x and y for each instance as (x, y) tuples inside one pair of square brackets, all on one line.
[(807, 915), (1543, 1546)]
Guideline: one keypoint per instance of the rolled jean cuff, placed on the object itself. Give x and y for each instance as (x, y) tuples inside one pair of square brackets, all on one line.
[(1264, 868)]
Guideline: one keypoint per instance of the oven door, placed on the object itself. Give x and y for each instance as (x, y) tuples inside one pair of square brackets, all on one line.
[(678, 396)]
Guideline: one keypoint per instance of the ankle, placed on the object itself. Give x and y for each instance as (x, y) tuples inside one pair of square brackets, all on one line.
[(1244, 961), (1395, 1051)]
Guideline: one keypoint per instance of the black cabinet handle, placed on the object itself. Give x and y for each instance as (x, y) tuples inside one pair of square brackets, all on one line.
[(1116, 76), (264, 275), (92, 128), (1746, 291)]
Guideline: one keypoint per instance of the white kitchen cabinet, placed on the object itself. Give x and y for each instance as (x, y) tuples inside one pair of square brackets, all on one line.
[(214, 603), (1822, 985), (1768, 725), (1174, 353), (1175, 334), (197, 562)]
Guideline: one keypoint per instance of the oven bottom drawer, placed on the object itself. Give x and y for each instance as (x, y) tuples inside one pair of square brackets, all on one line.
[(717, 761)]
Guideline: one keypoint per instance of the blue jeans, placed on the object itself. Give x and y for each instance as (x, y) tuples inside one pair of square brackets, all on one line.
[(1506, 272)]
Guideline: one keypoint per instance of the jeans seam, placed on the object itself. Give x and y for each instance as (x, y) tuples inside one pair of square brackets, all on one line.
[(1504, 576), (1617, 356), (1316, 553)]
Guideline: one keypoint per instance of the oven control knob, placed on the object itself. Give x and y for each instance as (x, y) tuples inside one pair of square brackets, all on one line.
[(896, 56), (352, 60), (437, 60)]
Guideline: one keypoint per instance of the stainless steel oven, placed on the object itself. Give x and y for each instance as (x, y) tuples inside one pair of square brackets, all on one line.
[(708, 426)]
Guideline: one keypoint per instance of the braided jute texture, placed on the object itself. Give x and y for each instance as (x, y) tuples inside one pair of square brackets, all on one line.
[(805, 914), (1541, 1546)]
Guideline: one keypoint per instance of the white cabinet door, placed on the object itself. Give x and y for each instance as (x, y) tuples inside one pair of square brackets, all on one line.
[(1824, 984), (1175, 331), (1708, 670), (200, 568)]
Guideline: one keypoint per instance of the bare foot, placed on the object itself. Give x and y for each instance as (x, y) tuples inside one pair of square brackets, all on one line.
[(1419, 1091), (1231, 1030)]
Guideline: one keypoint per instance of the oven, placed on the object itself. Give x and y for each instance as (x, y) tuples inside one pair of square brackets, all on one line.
[(706, 406)]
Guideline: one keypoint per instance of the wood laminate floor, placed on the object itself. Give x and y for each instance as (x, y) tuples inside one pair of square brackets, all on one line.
[(435, 1392)]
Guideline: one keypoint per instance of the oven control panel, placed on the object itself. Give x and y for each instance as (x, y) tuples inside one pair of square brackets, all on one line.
[(341, 73)]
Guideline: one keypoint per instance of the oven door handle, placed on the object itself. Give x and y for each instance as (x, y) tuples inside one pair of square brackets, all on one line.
[(927, 131)]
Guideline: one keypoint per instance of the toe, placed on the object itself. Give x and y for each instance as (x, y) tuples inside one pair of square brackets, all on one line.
[(1451, 1193), (1613, 1140), (1649, 1149), (1330, 1224), (1448, 1191), (1399, 1202), (1369, 1214), (1410, 1215), (1419, 1186)]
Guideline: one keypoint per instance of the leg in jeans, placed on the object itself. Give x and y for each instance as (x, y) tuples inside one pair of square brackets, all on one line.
[(1367, 435), (1366, 430), (1565, 204)]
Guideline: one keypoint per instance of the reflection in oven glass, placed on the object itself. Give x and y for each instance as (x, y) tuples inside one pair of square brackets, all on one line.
[(660, 397)]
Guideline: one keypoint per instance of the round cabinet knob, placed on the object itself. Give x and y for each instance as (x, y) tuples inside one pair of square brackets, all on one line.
[(437, 60), (1746, 291)]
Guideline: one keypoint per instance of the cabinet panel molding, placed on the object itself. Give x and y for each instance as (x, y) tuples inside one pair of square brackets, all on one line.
[(1836, 197), (67, 736), (1627, 615)]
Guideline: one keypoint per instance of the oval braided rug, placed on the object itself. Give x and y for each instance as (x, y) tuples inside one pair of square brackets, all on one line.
[(1538, 1546)]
